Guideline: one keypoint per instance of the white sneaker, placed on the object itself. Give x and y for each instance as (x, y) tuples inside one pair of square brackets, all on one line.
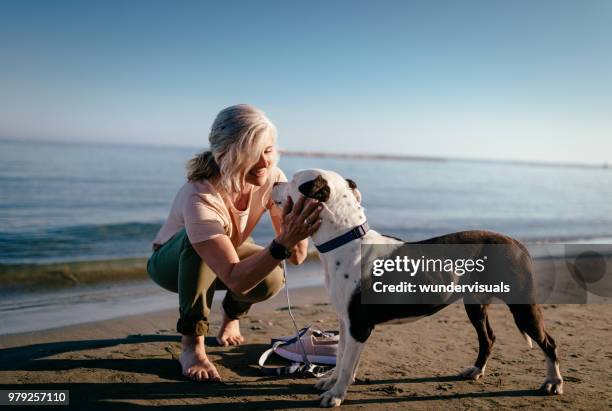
[(321, 346)]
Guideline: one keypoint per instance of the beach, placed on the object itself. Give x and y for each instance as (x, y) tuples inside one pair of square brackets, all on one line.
[(78, 311), (476, 135), (131, 362)]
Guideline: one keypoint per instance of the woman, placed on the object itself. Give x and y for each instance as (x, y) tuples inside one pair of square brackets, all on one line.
[(203, 244)]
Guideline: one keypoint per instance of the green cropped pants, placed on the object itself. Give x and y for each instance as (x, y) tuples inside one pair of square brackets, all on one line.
[(177, 267)]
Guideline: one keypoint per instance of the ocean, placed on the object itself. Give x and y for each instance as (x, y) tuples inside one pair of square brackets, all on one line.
[(67, 202), (79, 202)]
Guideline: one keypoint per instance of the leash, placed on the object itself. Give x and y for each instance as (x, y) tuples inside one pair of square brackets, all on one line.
[(306, 368), (307, 362)]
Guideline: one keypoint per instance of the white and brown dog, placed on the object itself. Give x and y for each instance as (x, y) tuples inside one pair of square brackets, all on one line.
[(339, 240)]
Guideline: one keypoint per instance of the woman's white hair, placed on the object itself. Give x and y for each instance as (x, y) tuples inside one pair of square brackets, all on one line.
[(237, 140)]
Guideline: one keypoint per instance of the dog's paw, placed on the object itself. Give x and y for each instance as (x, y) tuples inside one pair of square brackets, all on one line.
[(472, 373), (331, 398), (552, 386), (325, 384)]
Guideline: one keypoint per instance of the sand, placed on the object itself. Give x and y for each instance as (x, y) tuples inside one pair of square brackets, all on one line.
[(130, 363)]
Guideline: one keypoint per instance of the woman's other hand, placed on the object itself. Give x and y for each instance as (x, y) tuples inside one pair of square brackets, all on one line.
[(299, 221)]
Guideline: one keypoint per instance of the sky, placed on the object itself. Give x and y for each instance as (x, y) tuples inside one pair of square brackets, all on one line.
[(523, 80)]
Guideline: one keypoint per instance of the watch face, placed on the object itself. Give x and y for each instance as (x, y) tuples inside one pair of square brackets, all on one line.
[(278, 251)]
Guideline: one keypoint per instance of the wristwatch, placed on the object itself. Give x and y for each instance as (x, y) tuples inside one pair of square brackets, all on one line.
[(279, 251)]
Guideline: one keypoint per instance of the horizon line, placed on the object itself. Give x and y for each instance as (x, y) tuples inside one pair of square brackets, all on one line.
[(607, 165)]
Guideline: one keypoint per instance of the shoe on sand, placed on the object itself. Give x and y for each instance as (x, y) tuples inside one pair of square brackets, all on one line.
[(321, 346)]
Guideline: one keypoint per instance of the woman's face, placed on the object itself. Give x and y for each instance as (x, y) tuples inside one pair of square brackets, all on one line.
[(258, 174)]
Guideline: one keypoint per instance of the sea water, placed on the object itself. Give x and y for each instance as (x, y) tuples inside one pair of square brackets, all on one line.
[(69, 201), (79, 202)]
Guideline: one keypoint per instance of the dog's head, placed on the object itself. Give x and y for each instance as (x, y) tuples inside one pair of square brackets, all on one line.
[(340, 198)]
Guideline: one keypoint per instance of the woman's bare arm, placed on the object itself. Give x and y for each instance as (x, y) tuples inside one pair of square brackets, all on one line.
[(241, 276)]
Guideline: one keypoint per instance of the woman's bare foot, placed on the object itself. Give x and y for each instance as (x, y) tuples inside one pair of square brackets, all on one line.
[(194, 362), (229, 334)]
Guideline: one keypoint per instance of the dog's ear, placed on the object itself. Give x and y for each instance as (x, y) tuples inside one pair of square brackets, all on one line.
[(317, 189), (353, 186)]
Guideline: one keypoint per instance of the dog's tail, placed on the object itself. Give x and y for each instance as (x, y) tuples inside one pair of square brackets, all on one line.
[(528, 339)]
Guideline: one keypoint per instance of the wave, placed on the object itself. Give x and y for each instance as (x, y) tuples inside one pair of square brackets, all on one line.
[(88, 242), (79, 242), (133, 239)]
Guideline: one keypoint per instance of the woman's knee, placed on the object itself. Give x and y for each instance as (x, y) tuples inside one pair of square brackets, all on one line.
[(267, 288), (274, 282)]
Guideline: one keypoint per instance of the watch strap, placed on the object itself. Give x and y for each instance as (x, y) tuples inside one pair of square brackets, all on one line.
[(279, 251)]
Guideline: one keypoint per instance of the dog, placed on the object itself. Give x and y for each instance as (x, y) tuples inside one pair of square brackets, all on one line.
[(339, 240)]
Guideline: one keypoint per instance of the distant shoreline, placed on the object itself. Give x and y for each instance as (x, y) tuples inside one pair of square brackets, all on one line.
[(361, 156), (406, 157), (332, 155)]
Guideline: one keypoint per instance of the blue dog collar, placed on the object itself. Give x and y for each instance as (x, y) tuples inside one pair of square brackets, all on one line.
[(334, 243)]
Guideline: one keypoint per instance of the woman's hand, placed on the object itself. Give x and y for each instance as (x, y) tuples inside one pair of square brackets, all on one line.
[(299, 221)]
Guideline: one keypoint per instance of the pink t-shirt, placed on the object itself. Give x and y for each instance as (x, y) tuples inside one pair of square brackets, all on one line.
[(206, 214)]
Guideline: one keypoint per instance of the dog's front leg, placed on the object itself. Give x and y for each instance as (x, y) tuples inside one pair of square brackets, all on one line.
[(346, 371), (326, 383)]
